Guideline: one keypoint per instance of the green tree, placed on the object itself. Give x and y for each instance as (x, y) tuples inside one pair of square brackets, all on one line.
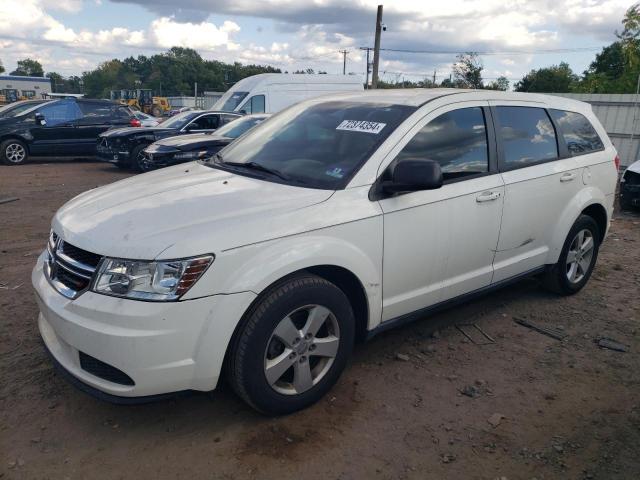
[(29, 68), (467, 71), (1, 67), (501, 83), (557, 78)]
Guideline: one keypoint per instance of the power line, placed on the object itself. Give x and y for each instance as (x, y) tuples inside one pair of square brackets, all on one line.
[(506, 52)]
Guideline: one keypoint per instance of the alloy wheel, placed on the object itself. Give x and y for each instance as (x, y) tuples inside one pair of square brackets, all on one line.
[(15, 153), (301, 349), (580, 255)]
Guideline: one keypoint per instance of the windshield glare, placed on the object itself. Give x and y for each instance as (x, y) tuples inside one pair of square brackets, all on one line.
[(180, 120), (230, 101), (321, 145), (237, 127)]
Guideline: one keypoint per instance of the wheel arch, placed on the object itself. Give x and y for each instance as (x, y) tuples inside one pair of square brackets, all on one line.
[(589, 201), (17, 137)]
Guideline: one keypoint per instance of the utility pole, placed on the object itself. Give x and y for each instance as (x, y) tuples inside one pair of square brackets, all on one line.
[(368, 66), (434, 77), (344, 61), (376, 51)]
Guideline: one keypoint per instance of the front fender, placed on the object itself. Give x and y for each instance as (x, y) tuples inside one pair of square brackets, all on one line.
[(355, 246), (584, 198)]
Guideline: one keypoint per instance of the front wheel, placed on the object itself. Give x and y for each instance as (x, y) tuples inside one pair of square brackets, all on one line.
[(293, 346), (13, 152), (577, 259)]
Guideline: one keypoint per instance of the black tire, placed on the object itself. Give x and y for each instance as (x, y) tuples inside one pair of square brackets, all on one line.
[(556, 278), (156, 111), (135, 158), (10, 152), (246, 362), (625, 203)]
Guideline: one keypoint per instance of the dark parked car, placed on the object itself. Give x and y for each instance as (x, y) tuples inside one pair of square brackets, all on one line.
[(16, 108), (630, 187), (124, 146), (66, 127), (170, 151)]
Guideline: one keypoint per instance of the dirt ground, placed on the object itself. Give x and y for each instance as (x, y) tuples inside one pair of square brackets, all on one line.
[(415, 403)]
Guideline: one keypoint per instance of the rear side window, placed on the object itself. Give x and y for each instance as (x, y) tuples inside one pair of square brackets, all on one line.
[(457, 140), (527, 135), (94, 110), (577, 132), (206, 122)]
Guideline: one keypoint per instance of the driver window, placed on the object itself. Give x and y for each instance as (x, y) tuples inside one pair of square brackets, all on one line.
[(206, 122), (60, 112), (457, 140)]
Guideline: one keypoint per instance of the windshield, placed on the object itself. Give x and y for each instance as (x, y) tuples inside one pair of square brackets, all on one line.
[(16, 110), (180, 120), (237, 127), (320, 145), (230, 101)]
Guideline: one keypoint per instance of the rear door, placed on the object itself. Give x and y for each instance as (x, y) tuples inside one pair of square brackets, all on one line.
[(540, 179), (97, 117)]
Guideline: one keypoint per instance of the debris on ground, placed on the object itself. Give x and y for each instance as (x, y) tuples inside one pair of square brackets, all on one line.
[(550, 332), (471, 329), (8, 199), (402, 357), (611, 344), (470, 391), (495, 419)]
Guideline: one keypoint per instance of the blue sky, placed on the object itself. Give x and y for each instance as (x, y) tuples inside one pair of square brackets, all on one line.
[(70, 36)]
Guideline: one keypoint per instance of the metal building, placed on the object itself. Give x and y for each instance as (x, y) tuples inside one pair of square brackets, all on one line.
[(619, 114), (24, 87)]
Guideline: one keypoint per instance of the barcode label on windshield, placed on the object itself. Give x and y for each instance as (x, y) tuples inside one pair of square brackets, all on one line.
[(361, 126)]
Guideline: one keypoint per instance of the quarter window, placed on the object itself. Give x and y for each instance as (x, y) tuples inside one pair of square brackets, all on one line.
[(457, 140), (527, 135), (577, 132)]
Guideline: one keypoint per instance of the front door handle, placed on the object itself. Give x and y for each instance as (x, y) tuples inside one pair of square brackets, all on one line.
[(567, 177), (487, 197)]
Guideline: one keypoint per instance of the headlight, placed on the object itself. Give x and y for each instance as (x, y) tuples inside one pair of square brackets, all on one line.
[(143, 280), (195, 155)]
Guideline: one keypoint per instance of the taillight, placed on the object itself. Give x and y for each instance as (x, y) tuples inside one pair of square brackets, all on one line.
[(135, 122), (617, 162)]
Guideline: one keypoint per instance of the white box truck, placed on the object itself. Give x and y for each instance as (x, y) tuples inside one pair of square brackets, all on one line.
[(272, 92)]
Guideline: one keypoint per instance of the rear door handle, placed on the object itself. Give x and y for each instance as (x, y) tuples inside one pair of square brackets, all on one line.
[(487, 197), (567, 177)]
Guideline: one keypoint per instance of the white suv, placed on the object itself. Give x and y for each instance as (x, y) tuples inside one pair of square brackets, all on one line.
[(337, 218)]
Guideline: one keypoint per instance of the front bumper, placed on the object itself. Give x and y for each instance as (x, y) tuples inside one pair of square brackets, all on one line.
[(630, 194), (163, 347), (111, 155)]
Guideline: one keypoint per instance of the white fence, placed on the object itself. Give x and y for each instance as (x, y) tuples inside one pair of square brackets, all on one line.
[(620, 116)]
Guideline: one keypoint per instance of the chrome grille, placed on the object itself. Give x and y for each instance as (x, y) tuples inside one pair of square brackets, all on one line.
[(69, 268)]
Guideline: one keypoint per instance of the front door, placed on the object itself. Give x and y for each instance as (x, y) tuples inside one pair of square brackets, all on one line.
[(439, 244), (58, 136)]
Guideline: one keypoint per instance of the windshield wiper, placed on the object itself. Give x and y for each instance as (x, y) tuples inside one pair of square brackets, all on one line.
[(255, 166)]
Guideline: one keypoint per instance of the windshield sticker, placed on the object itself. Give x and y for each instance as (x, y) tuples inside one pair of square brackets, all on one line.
[(335, 172), (361, 126)]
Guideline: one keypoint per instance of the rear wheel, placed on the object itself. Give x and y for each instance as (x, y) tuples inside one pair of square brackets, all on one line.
[(577, 259), (13, 152), (294, 344), (156, 111)]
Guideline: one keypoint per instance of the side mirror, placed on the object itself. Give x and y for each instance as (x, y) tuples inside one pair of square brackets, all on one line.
[(243, 112), (414, 175), (40, 120)]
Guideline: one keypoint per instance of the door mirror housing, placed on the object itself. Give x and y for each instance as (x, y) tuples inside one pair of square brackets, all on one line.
[(413, 175), (40, 120)]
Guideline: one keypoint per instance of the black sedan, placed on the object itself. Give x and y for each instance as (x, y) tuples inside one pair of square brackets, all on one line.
[(124, 146), (194, 147)]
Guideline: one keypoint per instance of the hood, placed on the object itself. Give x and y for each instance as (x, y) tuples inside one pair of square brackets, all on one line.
[(634, 167), (191, 209), (192, 141), (126, 131)]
